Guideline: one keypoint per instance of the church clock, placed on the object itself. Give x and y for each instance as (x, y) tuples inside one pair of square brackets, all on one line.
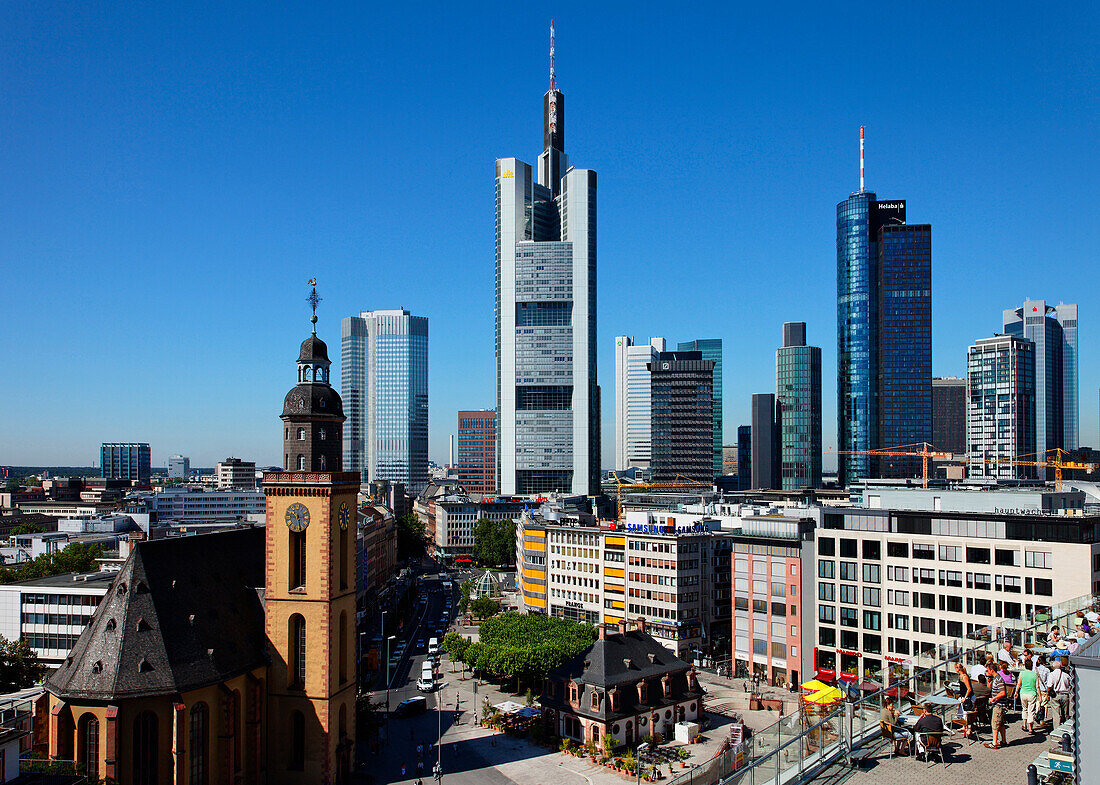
[(297, 517)]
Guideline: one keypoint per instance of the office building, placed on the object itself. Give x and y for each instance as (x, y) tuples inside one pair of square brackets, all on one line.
[(126, 461), (729, 460), (681, 419), (476, 459), (1000, 407), (179, 467), (949, 414), (711, 349), (51, 612), (202, 505), (235, 473), (798, 409), (884, 334), (548, 402), (1053, 330), (744, 457), (765, 453), (633, 446), (384, 384)]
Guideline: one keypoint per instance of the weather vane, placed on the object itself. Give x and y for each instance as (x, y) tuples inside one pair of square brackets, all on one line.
[(313, 299)]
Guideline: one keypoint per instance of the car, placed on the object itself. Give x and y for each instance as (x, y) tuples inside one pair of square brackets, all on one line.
[(420, 644), (411, 706)]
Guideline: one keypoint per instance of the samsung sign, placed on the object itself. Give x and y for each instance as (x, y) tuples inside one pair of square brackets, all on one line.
[(660, 528)]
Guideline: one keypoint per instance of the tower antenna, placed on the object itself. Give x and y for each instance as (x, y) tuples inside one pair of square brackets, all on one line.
[(313, 299), (861, 170), (553, 80)]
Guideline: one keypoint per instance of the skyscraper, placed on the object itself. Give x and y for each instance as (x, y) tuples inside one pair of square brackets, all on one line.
[(384, 384), (1000, 406), (548, 403), (681, 417), (126, 461), (711, 349), (744, 457), (949, 414), (798, 409), (765, 469), (1053, 330), (884, 333), (477, 450), (632, 401)]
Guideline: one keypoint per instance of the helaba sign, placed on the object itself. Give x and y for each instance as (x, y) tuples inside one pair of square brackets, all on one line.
[(891, 205)]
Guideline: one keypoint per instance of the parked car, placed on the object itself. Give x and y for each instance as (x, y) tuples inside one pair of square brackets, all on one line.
[(411, 706)]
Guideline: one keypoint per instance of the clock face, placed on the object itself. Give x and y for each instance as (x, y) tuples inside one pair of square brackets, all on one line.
[(344, 515), (297, 517)]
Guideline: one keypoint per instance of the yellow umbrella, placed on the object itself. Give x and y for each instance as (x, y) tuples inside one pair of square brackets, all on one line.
[(829, 695), (813, 685)]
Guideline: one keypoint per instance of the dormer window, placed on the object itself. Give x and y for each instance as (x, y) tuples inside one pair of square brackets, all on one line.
[(595, 701)]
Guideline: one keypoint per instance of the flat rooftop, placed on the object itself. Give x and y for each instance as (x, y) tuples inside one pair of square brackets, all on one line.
[(68, 580)]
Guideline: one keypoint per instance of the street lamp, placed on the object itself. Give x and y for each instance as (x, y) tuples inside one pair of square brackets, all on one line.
[(438, 770), (389, 640)]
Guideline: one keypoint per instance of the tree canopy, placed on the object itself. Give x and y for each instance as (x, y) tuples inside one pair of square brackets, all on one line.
[(411, 536), (483, 607), (526, 647), (19, 666), (76, 557), (494, 541)]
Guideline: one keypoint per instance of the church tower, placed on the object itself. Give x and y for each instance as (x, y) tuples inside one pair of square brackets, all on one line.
[(310, 583)]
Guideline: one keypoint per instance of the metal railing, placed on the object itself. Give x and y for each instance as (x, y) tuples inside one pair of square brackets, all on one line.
[(796, 747)]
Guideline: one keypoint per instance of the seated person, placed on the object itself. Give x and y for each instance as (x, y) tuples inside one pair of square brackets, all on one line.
[(928, 723), (889, 715)]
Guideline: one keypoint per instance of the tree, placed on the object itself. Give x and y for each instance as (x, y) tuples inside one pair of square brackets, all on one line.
[(483, 607), (19, 666), (494, 542), (12, 486), (27, 528), (76, 557), (411, 536), (455, 645)]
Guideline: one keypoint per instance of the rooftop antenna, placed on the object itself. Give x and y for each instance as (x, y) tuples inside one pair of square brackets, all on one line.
[(553, 119), (552, 75), (861, 170), (313, 299)]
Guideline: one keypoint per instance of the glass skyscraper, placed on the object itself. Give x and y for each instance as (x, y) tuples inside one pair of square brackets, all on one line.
[(633, 445), (126, 461), (711, 349), (1053, 330), (884, 335), (384, 385), (798, 409), (681, 417), (548, 403), (1000, 406)]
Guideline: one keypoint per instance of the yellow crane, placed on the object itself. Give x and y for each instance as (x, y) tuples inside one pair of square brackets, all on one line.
[(924, 452), (679, 482), (1058, 463)]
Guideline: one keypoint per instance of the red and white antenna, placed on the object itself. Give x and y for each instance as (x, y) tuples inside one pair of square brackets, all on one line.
[(552, 120), (552, 75), (861, 170)]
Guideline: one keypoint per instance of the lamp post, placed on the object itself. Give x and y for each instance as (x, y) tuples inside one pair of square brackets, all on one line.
[(438, 770)]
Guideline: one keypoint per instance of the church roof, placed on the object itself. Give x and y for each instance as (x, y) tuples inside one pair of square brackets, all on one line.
[(312, 401), (314, 350), (621, 658), (183, 612)]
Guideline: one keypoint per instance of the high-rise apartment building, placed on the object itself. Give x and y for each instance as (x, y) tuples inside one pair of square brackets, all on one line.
[(384, 384), (1000, 406), (179, 467), (1053, 330), (798, 409), (126, 461), (711, 349), (949, 414), (548, 402), (765, 465), (632, 402), (476, 461), (884, 333), (235, 473), (681, 417)]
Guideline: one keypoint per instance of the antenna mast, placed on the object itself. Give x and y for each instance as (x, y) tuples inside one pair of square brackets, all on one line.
[(861, 170)]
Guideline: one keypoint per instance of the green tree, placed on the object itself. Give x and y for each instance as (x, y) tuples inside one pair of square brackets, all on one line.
[(455, 645), (494, 542), (484, 607), (411, 536), (527, 647), (76, 557), (27, 528), (19, 666), (12, 486)]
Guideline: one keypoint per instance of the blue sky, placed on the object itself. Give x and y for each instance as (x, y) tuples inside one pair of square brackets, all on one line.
[(172, 174)]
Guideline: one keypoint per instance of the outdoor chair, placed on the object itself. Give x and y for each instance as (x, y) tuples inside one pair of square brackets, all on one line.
[(894, 736), (968, 723), (932, 746)]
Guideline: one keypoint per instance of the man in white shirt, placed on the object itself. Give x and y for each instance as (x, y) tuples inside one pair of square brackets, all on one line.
[(1005, 655), (1059, 689)]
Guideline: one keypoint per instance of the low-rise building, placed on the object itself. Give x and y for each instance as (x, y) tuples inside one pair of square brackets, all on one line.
[(626, 685), (235, 473), (50, 613), (188, 504), (449, 515)]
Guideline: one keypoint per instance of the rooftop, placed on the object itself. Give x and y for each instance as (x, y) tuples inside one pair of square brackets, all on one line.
[(69, 580)]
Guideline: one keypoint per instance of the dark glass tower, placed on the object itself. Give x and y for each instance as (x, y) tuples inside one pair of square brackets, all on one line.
[(711, 349), (798, 409), (680, 416), (884, 335)]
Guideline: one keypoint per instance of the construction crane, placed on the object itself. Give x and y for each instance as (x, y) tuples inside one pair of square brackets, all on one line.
[(1058, 463), (925, 452), (679, 482)]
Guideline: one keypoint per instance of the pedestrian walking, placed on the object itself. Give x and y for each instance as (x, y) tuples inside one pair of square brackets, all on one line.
[(402, 771)]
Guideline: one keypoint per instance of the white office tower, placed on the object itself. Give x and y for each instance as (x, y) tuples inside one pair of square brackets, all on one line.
[(633, 431), (548, 403)]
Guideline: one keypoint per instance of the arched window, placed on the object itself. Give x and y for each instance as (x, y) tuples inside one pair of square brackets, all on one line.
[(343, 644), (301, 434), (296, 650), (198, 745), (343, 722), (145, 749), (321, 433), (345, 535), (297, 560), (87, 745), (286, 435), (322, 463), (297, 741), (301, 463)]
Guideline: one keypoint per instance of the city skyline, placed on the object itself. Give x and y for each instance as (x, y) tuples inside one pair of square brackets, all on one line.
[(256, 192)]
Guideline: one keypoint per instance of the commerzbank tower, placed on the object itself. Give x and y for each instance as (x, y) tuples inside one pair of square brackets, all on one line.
[(548, 403)]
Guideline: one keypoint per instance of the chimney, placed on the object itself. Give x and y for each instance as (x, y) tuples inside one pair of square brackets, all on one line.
[(622, 627), (640, 624), (603, 631)]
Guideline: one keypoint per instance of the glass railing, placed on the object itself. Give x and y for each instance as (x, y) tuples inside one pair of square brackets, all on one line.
[(798, 746)]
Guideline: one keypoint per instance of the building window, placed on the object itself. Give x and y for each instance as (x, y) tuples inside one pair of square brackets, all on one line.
[(301, 463), (296, 665), (88, 745), (825, 569), (297, 741), (297, 560), (848, 571), (922, 551), (200, 717), (343, 644), (145, 749), (897, 550), (344, 535), (1038, 559), (322, 434), (301, 434)]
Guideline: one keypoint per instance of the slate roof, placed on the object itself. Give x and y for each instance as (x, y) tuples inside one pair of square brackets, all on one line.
[(313, 350), (621, 660), (320, 401), (183, 612)]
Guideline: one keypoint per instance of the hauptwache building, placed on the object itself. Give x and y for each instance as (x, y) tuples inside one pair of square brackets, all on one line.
[(229, 657)]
